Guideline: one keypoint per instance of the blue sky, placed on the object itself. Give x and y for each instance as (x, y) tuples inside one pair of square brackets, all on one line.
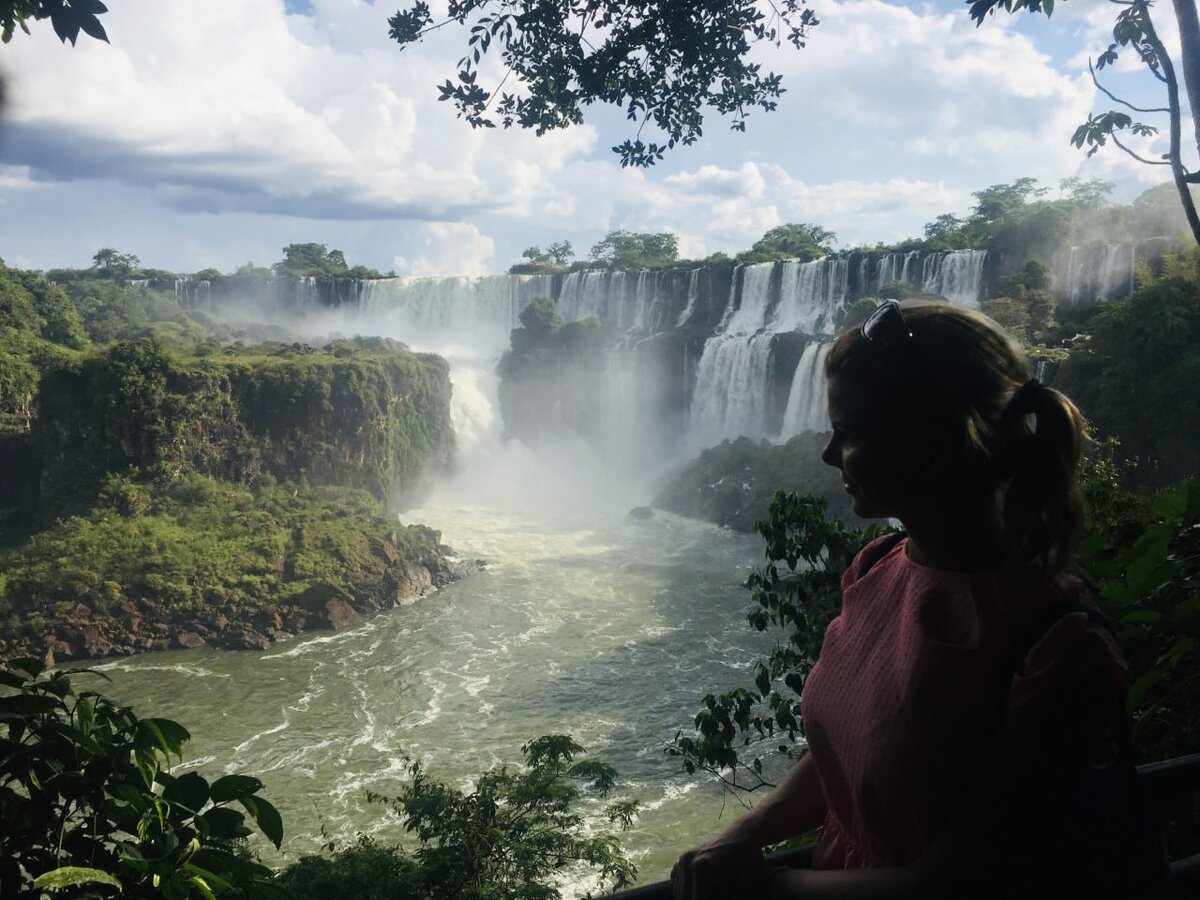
[(213, 134)]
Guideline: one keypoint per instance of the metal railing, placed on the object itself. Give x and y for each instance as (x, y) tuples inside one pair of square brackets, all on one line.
[(1159, 778)]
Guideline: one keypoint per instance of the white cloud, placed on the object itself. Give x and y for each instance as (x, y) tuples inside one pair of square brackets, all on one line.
[(893, 114), (449, 248), (271, 111), (15, 178)]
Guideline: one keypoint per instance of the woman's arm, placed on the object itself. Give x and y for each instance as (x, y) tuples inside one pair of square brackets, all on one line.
[(733, 859)]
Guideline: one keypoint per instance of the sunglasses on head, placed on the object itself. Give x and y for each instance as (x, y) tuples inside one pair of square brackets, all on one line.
[(885, 326)]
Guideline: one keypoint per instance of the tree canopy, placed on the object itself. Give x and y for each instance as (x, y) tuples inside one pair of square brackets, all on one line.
[(804, 241), (317, 260), (664, 63), (109, 262), (633, 250)]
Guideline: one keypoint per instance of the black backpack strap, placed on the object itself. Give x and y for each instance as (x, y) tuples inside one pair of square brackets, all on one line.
[(1037, 629), (877, 551)]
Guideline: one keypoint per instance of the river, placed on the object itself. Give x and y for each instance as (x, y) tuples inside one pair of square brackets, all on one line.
[(586, 621)]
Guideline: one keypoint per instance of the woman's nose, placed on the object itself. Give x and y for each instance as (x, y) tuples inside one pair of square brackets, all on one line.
[(831, 455)]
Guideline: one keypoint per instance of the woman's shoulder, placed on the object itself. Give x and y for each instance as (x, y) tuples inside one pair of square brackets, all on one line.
[(1065, 644), (873, 554)]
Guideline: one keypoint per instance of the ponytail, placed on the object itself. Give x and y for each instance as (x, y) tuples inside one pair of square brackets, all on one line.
[(1041, 436)]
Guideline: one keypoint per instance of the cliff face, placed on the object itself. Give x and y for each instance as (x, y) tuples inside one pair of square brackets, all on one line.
[(369, 420)]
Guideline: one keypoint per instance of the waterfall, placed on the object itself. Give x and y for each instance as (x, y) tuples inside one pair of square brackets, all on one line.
[(957, 276), (731, 387), (808, 400), (653, 385), (692, 291), (1098, 272), (810, 294), (476, 311), (751, 313)]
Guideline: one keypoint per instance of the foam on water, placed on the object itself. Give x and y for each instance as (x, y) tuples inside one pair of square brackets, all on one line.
[(586, 623)]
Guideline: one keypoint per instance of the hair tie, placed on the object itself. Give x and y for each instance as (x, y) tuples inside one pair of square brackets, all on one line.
[(1024, 400)]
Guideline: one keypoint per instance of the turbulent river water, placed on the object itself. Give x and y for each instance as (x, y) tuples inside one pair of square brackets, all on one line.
[(586, 621)]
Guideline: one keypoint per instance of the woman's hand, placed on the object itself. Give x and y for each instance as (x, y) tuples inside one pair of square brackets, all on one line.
[(722, 870)]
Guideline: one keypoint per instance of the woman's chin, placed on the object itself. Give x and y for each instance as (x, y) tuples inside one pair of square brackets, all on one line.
[(864, 509)]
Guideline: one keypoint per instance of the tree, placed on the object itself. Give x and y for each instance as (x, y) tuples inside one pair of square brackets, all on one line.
[(1091, 193), (662, 62), (1134, 29), (112, 264), (561, 252), (311, 259), (69, 17), (540, 317), (946, 229), (88, 799), (632, 250), (799, 241), (516, 830)]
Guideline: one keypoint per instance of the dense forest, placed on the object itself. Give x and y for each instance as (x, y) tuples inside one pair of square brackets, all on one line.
[(170, 482)]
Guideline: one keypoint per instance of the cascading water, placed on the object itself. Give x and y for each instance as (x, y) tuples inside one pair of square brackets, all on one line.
[(692, 294), (1097, 273), (808, 399), (957, 276), (732, 395), (811, 295)]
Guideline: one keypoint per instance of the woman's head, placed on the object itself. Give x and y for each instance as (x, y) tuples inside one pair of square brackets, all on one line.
[(937, 403)]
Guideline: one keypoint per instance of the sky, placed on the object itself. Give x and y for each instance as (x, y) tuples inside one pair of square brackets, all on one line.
[(213, 134)]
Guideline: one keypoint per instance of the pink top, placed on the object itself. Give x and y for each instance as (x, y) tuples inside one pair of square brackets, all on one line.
[(905, 698)]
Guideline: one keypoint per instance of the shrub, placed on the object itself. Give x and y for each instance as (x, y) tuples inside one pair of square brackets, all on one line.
[(86, 799)]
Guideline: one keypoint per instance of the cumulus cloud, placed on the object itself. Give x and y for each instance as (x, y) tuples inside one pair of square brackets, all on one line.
[(238, 103), (448, 248), (893, 115)]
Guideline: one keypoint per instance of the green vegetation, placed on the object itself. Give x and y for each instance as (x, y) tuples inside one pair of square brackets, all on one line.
[(799, 593), (156, 558), (630, 250), (301, 260), (505, 840), (364, 419), (803, 242), (1134, 29), (553, 259), (88, 803), (1136, 372), (166, 484), (90, 806), (659, 62)]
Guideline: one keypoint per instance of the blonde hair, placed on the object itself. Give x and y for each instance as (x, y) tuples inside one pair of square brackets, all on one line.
[(960, 371)]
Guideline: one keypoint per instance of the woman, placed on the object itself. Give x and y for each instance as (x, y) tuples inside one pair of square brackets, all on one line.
[(932, 751)]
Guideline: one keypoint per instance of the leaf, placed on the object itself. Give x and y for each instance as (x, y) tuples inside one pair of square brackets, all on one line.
[(267, 817), (92, 28), (223, 822), (169, 736), (27, 664), (190, 791), (202, 886), (69, 876), (1170, 505), (234, 787), (21, 706)]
